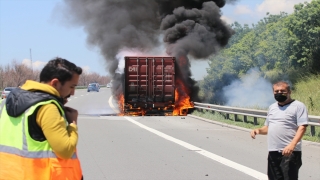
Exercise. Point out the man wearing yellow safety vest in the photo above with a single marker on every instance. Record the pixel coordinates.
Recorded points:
(38, 134)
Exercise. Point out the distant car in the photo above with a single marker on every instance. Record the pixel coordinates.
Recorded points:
(109, 85)
(6, 91)
(93, 87)
(97, 84)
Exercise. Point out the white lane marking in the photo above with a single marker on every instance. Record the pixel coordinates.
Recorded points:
(222, 160)
(227, 162)
(112, 106)
(81, 95)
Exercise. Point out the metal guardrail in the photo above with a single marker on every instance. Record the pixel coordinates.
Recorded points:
(313, 120)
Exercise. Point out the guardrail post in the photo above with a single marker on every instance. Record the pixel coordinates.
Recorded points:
(227, 116)
(235, 117)
(245, 119)
(255, 120)
(313, 130)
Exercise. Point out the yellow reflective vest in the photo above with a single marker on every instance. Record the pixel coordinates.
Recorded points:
(23, 158)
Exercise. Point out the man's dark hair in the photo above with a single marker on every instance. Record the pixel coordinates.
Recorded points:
(59, 68)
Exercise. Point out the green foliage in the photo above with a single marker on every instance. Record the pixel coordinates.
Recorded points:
(308, 92)
(304, 40)
(281, 46)
(240, 31)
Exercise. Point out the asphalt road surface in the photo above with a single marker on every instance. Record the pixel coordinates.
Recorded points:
(115, 147)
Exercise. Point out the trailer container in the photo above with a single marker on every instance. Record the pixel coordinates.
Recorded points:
(149, 87)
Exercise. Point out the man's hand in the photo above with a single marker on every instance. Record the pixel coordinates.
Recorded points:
(263, 131)
(71, 115)
(254, 133)
(287, 151)
(65, 99)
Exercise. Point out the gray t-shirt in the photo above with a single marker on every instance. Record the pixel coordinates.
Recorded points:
(283, 123)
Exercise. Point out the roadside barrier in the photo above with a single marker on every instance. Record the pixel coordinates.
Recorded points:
(313, 120)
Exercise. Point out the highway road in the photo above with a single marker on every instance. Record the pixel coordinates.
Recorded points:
(115, 147)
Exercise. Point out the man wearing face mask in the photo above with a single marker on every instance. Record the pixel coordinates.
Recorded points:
(38, 134)
(285, 125)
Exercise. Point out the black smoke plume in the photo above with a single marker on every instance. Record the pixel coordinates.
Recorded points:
(190, 27)
(196, 32)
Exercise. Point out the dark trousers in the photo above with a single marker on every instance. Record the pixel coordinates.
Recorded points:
(284, 168)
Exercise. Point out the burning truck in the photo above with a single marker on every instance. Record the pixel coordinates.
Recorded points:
(151, 87)
(178, 28)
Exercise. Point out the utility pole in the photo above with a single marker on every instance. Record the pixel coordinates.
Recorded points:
(31, 61)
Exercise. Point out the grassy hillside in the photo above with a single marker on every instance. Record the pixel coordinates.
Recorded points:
(307, 91)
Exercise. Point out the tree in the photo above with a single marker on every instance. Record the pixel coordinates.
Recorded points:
(304, 28)
(15, 74)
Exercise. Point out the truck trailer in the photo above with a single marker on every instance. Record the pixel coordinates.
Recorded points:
(149, 85)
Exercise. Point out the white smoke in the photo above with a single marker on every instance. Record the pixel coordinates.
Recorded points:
(36, 65)
(251, 90)
(157, 51)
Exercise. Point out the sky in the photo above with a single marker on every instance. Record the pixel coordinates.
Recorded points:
(35, 30)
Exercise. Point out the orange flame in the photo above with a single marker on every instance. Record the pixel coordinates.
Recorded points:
(182, 99)
(120, 105)
(139, 112)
